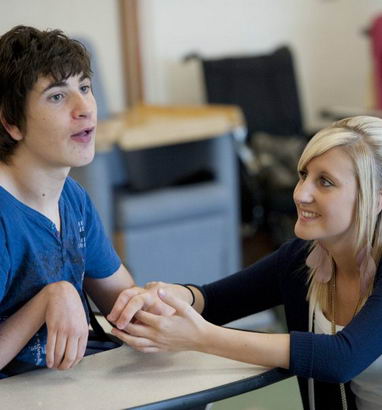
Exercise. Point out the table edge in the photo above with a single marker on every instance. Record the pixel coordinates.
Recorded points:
(221, 392)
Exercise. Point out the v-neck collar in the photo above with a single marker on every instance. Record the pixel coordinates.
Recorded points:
(38, 216)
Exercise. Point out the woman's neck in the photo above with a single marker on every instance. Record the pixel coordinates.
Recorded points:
(345, 259)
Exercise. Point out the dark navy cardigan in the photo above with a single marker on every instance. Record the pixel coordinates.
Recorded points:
(281, 279)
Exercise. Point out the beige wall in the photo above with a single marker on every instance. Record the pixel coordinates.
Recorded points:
(95, 19)
(332, 55)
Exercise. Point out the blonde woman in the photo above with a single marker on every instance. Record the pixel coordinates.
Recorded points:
(328, 280)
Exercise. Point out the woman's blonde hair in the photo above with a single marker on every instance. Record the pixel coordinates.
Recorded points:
(361, 139)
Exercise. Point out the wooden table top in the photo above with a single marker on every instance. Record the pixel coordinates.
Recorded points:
(148, 126)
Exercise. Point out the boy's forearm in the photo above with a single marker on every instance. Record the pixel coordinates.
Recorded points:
(264, 349)
(18, 329)
(104, 292)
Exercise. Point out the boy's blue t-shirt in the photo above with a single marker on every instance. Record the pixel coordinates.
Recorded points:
(33, 254)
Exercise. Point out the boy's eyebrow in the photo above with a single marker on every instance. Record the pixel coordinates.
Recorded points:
(61, 83)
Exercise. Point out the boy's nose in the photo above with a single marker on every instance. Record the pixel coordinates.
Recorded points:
(84, 107)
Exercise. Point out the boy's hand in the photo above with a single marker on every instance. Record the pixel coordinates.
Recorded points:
(131, 300)
(67, 326)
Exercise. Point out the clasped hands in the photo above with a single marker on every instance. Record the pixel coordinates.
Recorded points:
(155, 318)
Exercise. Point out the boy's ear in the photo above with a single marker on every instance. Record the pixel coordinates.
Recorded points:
(13, 130)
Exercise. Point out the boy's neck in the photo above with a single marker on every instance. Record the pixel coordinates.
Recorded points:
(38, 188)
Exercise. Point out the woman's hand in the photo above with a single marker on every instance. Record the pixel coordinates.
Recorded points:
(132, 300)
(68, 329)
(185, 329)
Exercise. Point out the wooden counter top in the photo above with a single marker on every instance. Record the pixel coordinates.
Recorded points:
(148, 126)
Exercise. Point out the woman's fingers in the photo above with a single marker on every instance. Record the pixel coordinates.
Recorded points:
(138, 343)
(179, 305)
(149, 319)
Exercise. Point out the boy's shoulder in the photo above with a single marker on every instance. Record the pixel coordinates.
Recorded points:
(73, 188)
(74, 193)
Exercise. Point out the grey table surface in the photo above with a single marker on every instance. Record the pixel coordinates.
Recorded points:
(123, 378)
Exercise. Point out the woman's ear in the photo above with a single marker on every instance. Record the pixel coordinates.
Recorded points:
(379, 208)
(13, 130)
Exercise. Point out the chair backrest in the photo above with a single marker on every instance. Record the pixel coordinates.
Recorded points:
(264, 86)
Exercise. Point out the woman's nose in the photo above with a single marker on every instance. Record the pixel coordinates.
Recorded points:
(303, 193)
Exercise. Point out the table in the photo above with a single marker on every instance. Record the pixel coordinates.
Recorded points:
(122, 378)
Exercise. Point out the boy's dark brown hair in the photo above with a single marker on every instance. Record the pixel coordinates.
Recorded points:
(27, 53)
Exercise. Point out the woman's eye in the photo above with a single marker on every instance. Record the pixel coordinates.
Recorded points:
(325, 182)
(302, 174)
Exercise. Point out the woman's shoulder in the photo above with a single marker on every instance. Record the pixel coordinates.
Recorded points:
(295, 248)
(292, 256)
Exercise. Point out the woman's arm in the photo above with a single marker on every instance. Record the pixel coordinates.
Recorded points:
(249, 291)
(187, 330)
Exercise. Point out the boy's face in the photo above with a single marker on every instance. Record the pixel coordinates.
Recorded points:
(60, 123)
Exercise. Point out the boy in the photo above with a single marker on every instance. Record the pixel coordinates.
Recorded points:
(52, 243)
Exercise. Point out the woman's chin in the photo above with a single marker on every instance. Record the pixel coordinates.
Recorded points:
(303, 233)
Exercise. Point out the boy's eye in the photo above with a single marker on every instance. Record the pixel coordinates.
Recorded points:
(85, 88)
(56, 97)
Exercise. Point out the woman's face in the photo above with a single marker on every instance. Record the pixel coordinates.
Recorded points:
(325, 197)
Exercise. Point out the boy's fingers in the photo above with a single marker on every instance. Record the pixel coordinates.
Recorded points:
(51, 343)
(129, 312)
(59, 350)
(70, 354)
(121, 302)
(82, 342)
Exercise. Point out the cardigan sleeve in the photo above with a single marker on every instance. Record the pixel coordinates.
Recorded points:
(252, 290)
(339, 358)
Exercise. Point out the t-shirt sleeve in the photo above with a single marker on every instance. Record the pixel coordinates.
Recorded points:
(101, 258)
(4, 264)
